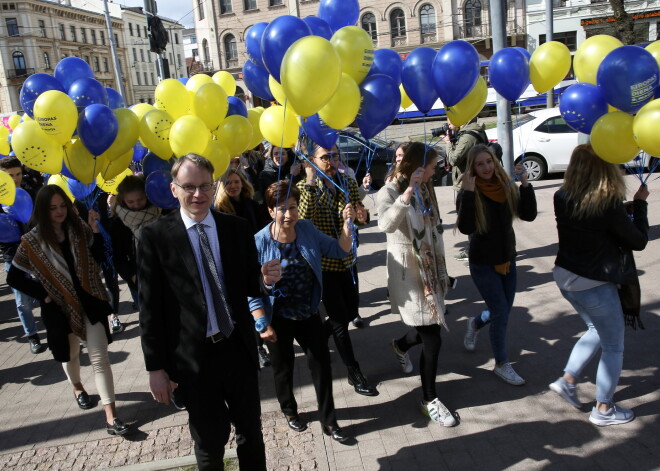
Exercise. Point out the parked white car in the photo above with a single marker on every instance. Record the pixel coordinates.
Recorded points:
(546, 141)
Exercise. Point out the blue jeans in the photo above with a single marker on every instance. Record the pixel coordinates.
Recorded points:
(24, 306)
(498, 292)
(600, 309)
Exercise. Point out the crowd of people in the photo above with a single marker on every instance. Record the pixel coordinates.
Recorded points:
(227, 282)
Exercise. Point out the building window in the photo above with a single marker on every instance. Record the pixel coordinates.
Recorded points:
(137, 74)
(195, 52)
(225, 6)
(369, 25)
(176, 38)
(231, 51)
(74, 37)
(398, 23)
(569, 38)
(145, 32)
(105, 65)
(87, 60)
(46, 61)
(134, 55)
(130, 29)
(205, 47)
(145, 78)
(42, 28)
(116, 40)
(272, 3)
(200, 9)
(472, 14)
(97, 66)
(153, 80)
(62, 35)
(250, 4)
(138, 31)
(19, 63)
(12, 26)
(102, 34)
(178, 60)
(427, 19)
(92, 33)
(141, 55)
(83, 35)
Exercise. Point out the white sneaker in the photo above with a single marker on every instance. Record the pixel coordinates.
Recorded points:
(438, 413)
(508, 374)
(403, 357)
(567, 391)
(614, 416)
(470, 340)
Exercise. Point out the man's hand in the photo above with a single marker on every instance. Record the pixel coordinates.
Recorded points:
(272, 272)
(159, 384)
(361, 213)
(367, 181)
(269, 334)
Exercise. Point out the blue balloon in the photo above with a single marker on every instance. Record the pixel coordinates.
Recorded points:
(657, 92)
(152, 163)
(628, 77)
(508, 72)
(417, 78)
(70, 69)
(581, 105)
(236, 106)
(10, 232)
(21, 210)
(65, 170)
(183, 80)
(97, 128)
(79, 190)
(339, 13)
(115, 100)
(158, 190)
(34, 86)
(455, 71)
(256, 80)
(87, 91)
(387, 62)
(319, 132)
(253, 42)
(380, 103)
(319, 27)
(281, 33)
(526, 53)
(139, 151)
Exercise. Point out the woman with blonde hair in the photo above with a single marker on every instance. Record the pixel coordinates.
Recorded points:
(595, 271)
(487, 204)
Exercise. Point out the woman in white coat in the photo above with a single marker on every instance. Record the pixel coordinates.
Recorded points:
(417, 274)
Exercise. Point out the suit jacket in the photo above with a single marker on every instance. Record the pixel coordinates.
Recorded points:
(173, 311)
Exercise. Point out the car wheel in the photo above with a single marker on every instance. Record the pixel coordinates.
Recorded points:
(536, 168)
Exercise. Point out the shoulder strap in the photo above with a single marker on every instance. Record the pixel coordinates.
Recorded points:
(477, 135)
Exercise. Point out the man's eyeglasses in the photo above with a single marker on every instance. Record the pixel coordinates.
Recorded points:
(205, 188)
(328, 157)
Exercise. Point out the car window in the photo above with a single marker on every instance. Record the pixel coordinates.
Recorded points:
(554, 125)
(517, 121)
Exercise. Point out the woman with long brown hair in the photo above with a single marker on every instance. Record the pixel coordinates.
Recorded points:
(62, 252)
(487, 204)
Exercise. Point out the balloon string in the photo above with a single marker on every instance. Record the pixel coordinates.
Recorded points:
(320, 172)
(652, 168)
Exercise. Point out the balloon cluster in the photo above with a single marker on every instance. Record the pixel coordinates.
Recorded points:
(616, 98)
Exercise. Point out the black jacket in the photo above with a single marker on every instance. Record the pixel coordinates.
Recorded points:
(254, 213)
(124, 254)
(599, 248)
(498, 244)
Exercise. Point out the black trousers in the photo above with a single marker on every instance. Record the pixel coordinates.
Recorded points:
(340, 298)
(429, 337)
(311, 337)
(227, 391)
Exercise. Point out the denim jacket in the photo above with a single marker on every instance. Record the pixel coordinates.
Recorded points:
(312, 244)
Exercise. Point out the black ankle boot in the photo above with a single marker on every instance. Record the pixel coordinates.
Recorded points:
(360, 383)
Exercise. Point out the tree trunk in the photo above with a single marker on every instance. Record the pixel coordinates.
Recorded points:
(625, 24)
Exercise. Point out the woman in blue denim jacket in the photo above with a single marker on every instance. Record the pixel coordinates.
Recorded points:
(294, 300)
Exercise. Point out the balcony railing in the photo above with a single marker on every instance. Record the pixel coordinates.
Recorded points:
(483, 30)
(399, 41)
(430, 37)
(232, 63)
(18, 73)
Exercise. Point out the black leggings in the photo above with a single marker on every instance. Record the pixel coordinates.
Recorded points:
(429, 337)
(340, 298)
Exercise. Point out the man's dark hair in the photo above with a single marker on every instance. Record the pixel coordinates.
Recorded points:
(10, 162)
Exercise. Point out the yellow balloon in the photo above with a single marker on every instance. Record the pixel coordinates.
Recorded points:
(278, 92)
(356, 50)
(172, 96)
(4, 132)
(7, 189)
(57, 115)
(654, 49)
(279, 128)
(110, 170)
(226, 81)
(127, 136)
(549, 64)
(196, 81)
(311, 72)
(62, 182)
(344, 105)
(646, 127)
(612, 138)
(5, 148)
(81, 163)
(36, 149)
(188, 135)
(470, 106)
(14, 120)
(590, 54)
(155, 133)
(141, 109)
(254, 116)
(218, 154)
(110, 185)
(26, 117)
(405, 99)
(235, 132)
(210, 104)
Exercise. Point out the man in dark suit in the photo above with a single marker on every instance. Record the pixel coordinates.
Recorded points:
(196, 269)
